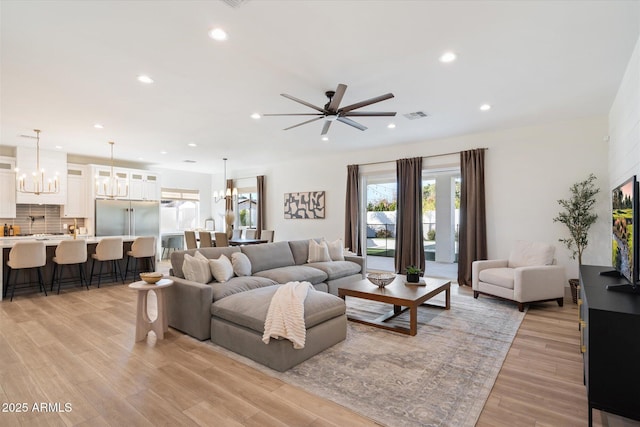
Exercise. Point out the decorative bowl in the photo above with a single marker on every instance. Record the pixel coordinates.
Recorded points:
(151, 277)
(381, 279)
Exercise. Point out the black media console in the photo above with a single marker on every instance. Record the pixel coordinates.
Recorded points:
(610, 343)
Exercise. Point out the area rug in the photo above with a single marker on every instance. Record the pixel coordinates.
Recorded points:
(440, 377)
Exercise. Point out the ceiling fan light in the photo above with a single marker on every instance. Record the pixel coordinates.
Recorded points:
(331, 118)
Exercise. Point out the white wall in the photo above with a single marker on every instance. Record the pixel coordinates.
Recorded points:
(624, 125)
(527, 171)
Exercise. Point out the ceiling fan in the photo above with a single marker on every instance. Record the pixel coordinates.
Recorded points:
(332, 111)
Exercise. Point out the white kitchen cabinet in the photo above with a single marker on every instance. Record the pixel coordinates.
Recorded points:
(54, 164)
(7, 188)
(103, 187)
(78, 199)
(143, 185)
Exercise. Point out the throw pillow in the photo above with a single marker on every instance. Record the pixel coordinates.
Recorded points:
(318, 252)
(241, 264)
(196, 269)
(221, 268)
(336, 250)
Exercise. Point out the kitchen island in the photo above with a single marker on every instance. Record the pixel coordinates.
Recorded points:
(51, 242)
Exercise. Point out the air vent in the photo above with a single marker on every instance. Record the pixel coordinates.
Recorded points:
(416, 115)
(235, 3)
(189, 161)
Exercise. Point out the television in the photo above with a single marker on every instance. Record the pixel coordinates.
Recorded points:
(624, 248)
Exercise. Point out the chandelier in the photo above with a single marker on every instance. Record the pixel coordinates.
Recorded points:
(225, 194)
(111, 186)
(39, 184)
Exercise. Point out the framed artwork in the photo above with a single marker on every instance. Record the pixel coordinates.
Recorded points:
(308, 205)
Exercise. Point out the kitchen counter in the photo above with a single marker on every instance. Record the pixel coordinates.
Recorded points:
(51, 242)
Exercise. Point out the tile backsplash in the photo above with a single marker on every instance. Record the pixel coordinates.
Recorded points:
(46, 219)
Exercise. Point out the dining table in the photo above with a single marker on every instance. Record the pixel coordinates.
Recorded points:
(241, 242)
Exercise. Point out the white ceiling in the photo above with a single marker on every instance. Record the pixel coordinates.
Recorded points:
(66, 65)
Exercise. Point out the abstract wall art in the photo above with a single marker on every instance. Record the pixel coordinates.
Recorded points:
(308, 205)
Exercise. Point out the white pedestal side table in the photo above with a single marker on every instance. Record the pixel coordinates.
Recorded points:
(143, 323)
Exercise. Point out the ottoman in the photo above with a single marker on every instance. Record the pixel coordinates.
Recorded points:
(237, 324)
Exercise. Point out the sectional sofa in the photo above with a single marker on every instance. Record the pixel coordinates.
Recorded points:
(232, 313)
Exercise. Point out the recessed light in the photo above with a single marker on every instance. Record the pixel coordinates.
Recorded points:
(485, 107)
(192, 144)
(255, 116)
(98, 126)
(140, 158)
(218, 34)
(391, 125)
(448, 57)
(143, 78)
(163, 152)
(59, 147)
(325, 138)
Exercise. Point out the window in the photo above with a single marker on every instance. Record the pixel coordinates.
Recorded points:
(179, 209)
(247, 210)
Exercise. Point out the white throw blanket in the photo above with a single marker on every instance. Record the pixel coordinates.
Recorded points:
(285, 318)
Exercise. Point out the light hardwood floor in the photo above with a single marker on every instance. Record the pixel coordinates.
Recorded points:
(78, 348)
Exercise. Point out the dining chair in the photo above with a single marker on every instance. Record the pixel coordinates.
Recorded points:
(205, 239)
(190, 238)
(237, 234)
(250, 233)
(267, 235)
(221, 240)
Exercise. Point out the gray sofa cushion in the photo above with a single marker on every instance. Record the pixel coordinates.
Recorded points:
(300, 250)
(268, 256)
(249, 309)
(336, 269)
(239, 284)
(300, 273)
(177, 257)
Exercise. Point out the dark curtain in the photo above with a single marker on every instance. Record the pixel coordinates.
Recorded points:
(261, 205)
(472, 235)
(409, 237)
(352, 211)
(228, 202)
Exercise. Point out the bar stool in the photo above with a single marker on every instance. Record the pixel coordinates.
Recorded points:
(70, 252)
(205, 239)
(26, 255)
(142, 247)
(107, 249)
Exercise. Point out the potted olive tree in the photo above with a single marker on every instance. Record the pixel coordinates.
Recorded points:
(578, 216)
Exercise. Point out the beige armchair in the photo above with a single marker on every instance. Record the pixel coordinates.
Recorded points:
(529, 275)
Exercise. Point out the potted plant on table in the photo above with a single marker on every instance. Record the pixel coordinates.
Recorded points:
(578, 216)
(413, 274)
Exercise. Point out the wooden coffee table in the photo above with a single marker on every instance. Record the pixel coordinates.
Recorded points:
(400, 295)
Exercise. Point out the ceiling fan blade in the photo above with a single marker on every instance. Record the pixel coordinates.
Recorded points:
(294, 114)
(325, 128)
(300, 101)
(368, 113)
(367, 102)
(304, 123)
(351, 123)
(337, 98)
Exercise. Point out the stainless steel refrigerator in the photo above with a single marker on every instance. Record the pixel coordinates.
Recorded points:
(127, 218)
